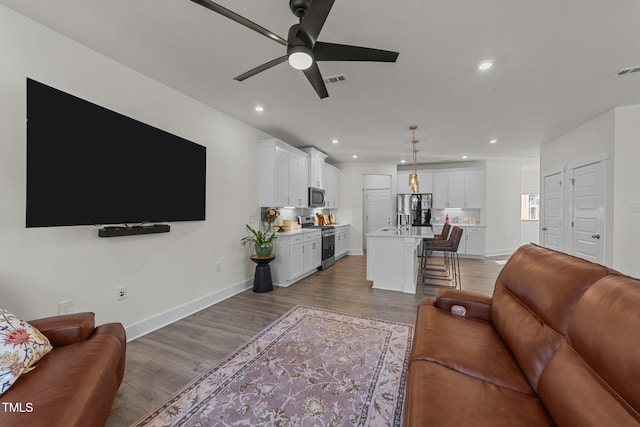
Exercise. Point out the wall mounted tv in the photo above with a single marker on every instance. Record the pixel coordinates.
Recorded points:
(87, 165)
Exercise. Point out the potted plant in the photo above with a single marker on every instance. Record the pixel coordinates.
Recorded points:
(262, 241)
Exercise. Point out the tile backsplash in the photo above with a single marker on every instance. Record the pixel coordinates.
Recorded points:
(456, 216)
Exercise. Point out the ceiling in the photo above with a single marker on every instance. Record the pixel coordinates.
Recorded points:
(554, 68)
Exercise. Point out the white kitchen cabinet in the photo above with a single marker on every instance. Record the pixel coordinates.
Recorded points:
(425, 182)
(312, 252)
(296, 260)
(281, 171)
(449, 189)
(316, 167)
(403, 182)
(284, 175)
(298, 254)
(298, 173)
(458, 189)
(472, 244)
(474, 189)
(332, 190)
(474, 238)
(342, 241)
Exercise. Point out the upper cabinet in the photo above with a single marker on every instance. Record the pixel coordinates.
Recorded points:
(332, 190)
(453, 188)
(474, 189)
(425, 182)
(317, 174)
(284, 175)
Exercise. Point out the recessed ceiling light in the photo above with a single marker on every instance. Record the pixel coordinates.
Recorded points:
(335, 141)
(493, 141)
(355, 156)
(464, 157)
(259, 108)
(403, 161)
(485, 65)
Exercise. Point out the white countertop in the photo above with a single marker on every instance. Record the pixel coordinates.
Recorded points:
(298, 231)
(340, 225)
(306, 230)
(415, 232)
(439, 225)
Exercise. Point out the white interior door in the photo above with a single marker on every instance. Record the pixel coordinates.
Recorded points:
(377, 209)
(588, 211)
(552, 200)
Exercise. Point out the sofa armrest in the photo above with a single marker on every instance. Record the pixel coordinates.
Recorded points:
(477, 305)
(66, 329)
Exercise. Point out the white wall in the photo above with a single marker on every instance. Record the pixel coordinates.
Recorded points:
(352, 180)
(530, 183)
(590, 142)
(502, 207)
(40, 267)
(626, 197)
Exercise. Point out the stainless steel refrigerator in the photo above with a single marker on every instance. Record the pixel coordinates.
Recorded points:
(417, 206)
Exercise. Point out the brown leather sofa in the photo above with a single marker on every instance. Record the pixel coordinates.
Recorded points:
(73, 385)
(557, 344)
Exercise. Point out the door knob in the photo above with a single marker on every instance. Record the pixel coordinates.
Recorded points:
(595, 236)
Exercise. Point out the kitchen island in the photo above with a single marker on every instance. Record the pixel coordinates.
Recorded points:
(392, 257)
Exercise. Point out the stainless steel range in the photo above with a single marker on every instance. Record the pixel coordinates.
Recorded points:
(328, 240)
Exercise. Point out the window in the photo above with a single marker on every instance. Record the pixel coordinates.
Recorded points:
(530, 207)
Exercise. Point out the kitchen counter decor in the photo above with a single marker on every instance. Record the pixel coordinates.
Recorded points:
(269, 215)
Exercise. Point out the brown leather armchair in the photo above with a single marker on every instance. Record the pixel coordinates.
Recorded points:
(558, 343)
(73, 385)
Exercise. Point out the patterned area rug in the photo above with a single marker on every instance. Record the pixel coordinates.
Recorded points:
(312, 367)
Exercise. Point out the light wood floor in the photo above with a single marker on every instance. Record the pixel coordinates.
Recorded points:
(159, 364)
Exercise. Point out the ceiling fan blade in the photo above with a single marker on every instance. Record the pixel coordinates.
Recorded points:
(342, 52)
(261, 68)
(240, 20)
(314, 19)
(315, 78)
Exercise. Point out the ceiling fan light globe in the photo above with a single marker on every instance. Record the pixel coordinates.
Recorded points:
(300, 60)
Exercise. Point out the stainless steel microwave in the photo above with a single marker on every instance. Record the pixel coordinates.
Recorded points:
(316, 197)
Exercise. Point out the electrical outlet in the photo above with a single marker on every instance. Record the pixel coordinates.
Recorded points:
(65, 307)
(122, 293)
(218, 267)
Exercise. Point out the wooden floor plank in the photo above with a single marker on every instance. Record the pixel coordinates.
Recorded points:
(162, 362)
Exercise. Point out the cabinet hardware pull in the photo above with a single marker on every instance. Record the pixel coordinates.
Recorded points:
(596, 236)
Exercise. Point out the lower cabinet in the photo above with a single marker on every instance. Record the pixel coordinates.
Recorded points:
(296, 261)
(297, 255)
(342, 241)
(311, 252)
(472, 244)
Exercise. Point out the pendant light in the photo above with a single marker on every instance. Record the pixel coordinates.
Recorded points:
(413, 178)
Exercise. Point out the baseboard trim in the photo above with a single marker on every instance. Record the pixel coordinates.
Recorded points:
(360, 252)
(158, 321)
(500, 252)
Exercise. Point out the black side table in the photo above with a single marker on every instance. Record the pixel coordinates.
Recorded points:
(262, 280)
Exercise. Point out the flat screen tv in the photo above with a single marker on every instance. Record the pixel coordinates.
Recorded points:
(87, 165)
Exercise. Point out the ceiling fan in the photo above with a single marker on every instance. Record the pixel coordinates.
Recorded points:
(303, 49)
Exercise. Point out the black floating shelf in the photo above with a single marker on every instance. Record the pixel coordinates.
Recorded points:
(115, 231)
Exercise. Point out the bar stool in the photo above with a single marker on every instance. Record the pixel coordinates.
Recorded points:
(451, 270)
(443, 236)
